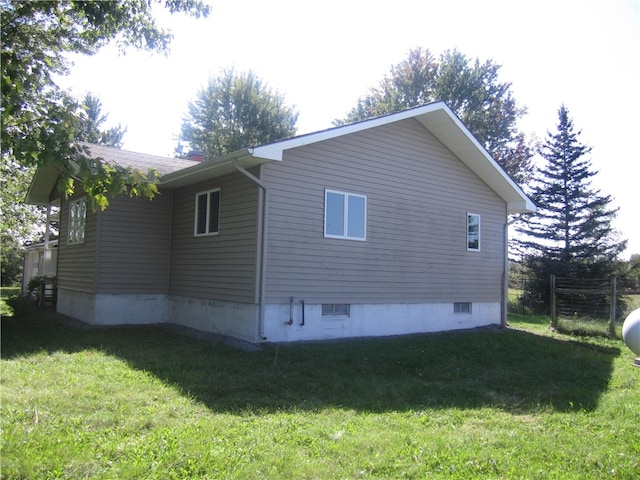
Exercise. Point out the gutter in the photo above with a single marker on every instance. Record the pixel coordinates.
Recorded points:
(262, 226)
(195, 172)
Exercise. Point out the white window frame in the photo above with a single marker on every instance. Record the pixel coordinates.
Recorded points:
(77, 223)
(469, 239)
(345, 227)
(462, 307)
(329, 309)
(208, 231)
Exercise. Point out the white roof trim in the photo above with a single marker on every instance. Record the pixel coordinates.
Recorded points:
(440, 120)
(274, 150)
(436, 117)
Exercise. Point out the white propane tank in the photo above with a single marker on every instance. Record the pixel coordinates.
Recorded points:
(631, 333)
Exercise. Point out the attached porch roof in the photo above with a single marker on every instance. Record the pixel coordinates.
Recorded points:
(43, 185)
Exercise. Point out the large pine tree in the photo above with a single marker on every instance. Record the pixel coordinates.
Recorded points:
(90, 122)
(573, 223)
(572, 232)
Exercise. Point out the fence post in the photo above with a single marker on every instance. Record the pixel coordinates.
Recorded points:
(614, 301)
(554, 319)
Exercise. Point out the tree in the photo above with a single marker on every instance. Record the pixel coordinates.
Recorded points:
(236, 111)
(631, 273)
(18, 222)
(90, 121)
(38, 119)
(572, 233)
(471, 89)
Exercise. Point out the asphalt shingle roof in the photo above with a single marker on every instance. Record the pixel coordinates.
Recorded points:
(140, 161)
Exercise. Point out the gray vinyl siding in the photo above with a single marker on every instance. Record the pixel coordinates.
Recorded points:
(418, 196)
(135, 239)
(223, 266)
(77, 262)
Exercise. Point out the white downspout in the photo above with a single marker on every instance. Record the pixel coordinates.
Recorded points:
(262, 291)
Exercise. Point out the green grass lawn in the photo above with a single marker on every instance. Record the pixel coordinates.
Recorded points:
(143, 402)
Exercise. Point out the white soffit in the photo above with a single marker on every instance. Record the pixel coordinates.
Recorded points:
(42, 186)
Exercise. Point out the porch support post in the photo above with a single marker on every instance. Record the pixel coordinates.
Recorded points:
(47, 230)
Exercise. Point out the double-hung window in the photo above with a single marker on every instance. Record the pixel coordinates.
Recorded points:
(207, 213)
(473, 232)
(345, 215)
(77, 221)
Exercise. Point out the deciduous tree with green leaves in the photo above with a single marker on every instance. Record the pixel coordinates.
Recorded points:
(472, 90)
(38, 119)
(235, 111)
(18, 222)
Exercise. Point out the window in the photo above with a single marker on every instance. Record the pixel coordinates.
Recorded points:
(462, 307)
(473, 232)
(345, 215)
(335, 309)
(77, 221)
(207, 213)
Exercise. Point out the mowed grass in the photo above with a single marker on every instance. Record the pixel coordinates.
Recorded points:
(144, 402)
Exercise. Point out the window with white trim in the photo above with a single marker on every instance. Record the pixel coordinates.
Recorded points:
(345, 215)
(462, 307)
(335, 309)
(473, 232)
(77, 221)
(207, 221)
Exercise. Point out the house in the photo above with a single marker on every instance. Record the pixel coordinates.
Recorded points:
(40, 260)
(393, 225)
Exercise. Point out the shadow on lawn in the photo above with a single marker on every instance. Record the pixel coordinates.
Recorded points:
(514, 370)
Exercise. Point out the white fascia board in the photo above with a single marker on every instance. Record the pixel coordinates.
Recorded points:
(42, 186)
(442, 122)
(449, 129)
(274, 151)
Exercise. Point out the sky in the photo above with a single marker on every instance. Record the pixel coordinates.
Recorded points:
(322, 56)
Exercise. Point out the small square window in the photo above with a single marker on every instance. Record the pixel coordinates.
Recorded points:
(462, 307)
(207, 220)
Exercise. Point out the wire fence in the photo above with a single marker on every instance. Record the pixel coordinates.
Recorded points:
(577, 305)
(584, 304)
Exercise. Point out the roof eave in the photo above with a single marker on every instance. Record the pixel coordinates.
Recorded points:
(445, 125)
(43, 186)
(521, 207)
(212, 168)
(468, 149)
